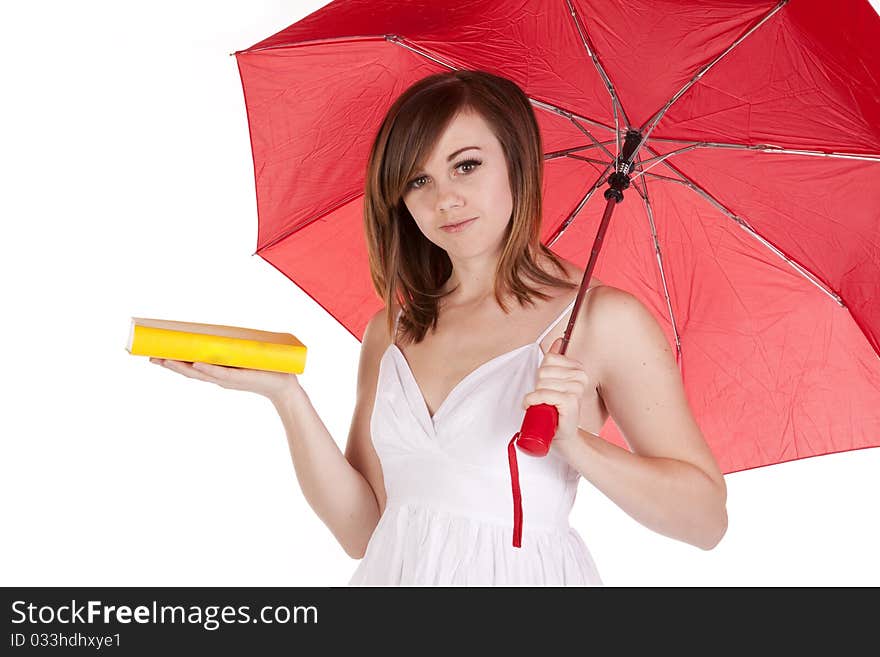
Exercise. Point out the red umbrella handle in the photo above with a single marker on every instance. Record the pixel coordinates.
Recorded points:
(538, 429)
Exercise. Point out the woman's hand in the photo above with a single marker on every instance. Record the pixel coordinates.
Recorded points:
(268, 384)
(563, 383)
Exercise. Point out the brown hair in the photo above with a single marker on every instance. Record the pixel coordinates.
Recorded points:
(403, 262)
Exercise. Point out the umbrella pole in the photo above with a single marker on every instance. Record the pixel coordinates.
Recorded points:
(540, 421)
(539, 424)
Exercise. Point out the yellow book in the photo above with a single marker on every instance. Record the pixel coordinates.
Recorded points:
(232, 346)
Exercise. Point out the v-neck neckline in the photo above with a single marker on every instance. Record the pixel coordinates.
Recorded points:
(457, 386)
(432, 419)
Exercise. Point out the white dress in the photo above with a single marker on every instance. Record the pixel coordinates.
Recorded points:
(449, 517)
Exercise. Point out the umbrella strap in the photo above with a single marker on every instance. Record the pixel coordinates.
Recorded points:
(517, 497)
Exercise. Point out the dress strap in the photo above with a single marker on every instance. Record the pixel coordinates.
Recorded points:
(396, 322)
(561, 315)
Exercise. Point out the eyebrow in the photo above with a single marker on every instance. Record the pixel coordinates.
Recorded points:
(452, 155)
(466, 148)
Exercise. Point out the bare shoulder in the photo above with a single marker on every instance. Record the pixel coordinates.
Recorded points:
(619, 325)
(374, 342)
(616, 309)
(377, 335)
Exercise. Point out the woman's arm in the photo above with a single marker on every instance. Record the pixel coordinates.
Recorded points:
(670, 482)
(347, 491)
(340, 496)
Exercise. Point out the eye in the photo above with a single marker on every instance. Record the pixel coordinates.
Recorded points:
(474, 163)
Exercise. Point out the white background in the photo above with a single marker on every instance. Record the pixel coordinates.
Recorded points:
(127, 190)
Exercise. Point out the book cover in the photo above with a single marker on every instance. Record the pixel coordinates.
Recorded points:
(232, 346)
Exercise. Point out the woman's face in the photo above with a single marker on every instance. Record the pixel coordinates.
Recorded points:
(465, 177)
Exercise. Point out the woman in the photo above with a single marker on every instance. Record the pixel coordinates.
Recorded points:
(422, 495)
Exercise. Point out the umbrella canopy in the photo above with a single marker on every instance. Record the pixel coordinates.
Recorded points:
(752, 226)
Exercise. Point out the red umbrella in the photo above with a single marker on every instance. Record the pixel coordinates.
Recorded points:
(750, 227)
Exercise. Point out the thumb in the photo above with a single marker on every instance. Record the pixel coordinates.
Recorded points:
(556, 347)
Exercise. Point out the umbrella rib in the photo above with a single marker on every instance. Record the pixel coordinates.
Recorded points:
(558, 233)
(400, 41)
(615, 101)
(803, 271)
(595, 141)
(766, 148)
(654, 161)
(797, 267)
(565, 151)
(659, 255)
(588, 159)
(550, 107)
(652, 122)
(309, 42)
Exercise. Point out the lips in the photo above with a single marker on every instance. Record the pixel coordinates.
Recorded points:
(458, 226)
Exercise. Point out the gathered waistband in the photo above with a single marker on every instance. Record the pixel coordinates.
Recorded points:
(476, 515)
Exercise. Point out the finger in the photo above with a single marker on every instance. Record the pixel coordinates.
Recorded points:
(558, 385)
(560, 360)
(213, 370)
(186, 368)
(556, 348)
(226, 374)
(558, 398)
(557, 388)
(566, 387)
(546, 374)
(560, 371)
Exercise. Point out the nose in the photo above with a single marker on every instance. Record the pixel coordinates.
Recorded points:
(448, 198)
